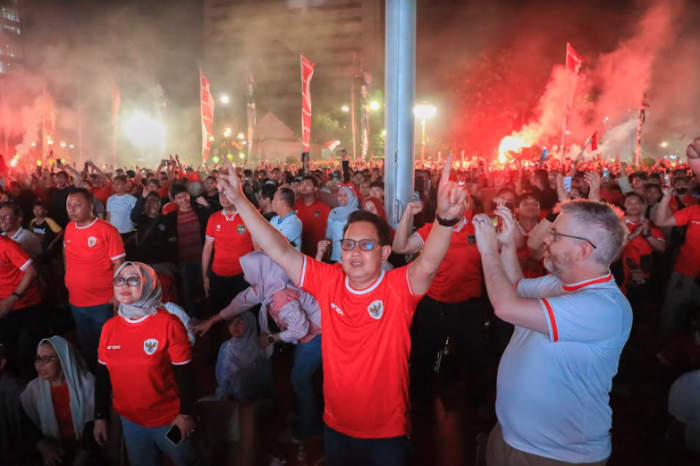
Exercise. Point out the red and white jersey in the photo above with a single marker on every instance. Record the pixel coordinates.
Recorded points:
(459, 277)
(366, 345)
(89, 252)
(139, 355)
(13, 262)
(231, 242)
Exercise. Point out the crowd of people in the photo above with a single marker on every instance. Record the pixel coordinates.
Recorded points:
(557, 274)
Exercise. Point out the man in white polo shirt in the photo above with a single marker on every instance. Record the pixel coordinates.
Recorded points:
(286, 220)
(555, 376)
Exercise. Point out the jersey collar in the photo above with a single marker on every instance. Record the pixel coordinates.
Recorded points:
(17, 234)
(86, 226)
(585, 283)
(369, 289)
(282, 219)
(231, 218)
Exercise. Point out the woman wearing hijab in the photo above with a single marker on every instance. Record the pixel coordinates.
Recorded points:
(298, 316)
(242, 368)
(338, 218)
(59, 402)
(144, 357)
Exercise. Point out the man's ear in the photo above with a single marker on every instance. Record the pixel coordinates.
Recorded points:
(386, 252)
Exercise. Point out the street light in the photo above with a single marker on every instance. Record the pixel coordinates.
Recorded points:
(345, 108)
(424, 111)
(664, 144)
(224, 99)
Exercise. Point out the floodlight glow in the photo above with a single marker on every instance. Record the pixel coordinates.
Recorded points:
(374, 105)
(424, 111)
(224, 99)
(144, 131)
(345, 108)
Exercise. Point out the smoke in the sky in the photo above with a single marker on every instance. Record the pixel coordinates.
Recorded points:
(610, 87)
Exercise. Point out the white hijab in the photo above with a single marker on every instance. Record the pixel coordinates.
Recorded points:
(36, 398)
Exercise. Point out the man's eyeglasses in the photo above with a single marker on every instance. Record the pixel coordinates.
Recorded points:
(555, 234)
(121, 281)
(7, 217)
(365, 244)
(43, 359)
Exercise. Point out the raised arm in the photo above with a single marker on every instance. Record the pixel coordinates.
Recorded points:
(404, 241)
(506, 302)
(451, 204)
(693, 153)
(664, 216)
(266, 236)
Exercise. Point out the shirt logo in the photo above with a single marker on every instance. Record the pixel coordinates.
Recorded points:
(114, 347)
(240, 229)
(92, 241)
(337, 309)
(150, 346)
(471, 239)
(317, 213)
(218, 227)
(376, 309)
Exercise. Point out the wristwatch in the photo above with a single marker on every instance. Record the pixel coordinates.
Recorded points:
(271, 339)
(447, 223)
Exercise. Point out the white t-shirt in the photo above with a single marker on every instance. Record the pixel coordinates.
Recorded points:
(119, 208)
(290, 226)
(553, 390)
(30, 243)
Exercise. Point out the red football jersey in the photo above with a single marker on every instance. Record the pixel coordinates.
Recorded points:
(314, 219)
(366, 345)
(688, 262)
(13, 262)
(89, 252)
(231, 242)
(139, 355)
(459, 277)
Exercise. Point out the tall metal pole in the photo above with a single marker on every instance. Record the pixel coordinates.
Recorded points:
(400, 65)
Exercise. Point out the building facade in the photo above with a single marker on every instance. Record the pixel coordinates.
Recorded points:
(11, 44)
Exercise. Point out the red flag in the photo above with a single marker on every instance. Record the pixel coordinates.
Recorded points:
(594, 141)
(207, 107)
(307, 72)
(573, 59)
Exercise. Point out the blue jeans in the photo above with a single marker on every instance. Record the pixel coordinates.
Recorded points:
(343, 450)
(88, 324)
(307, 359)
(144, 444)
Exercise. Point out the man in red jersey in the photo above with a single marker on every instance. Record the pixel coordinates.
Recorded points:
(453, 306)
(93, 251)
(313, 215)
(366, 315)
(21, 321)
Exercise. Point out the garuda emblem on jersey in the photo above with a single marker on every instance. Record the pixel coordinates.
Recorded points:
(92, 241)
(376, 309)
(150, 346)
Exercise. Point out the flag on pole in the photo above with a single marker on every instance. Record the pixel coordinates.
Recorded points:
(573, 65)
(573, 59)
(116, 103)
(252, 112)
(207, 110)
(594, 141)
(307, 72)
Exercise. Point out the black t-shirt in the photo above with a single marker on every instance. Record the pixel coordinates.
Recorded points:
(156, 240)
(44, 232)
(58, 205)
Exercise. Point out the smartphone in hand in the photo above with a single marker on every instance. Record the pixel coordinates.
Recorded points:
(174, 435)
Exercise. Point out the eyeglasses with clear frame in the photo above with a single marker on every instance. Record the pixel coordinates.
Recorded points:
(554, 234)
(43, 360)
(121, 281)
(366, 245)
